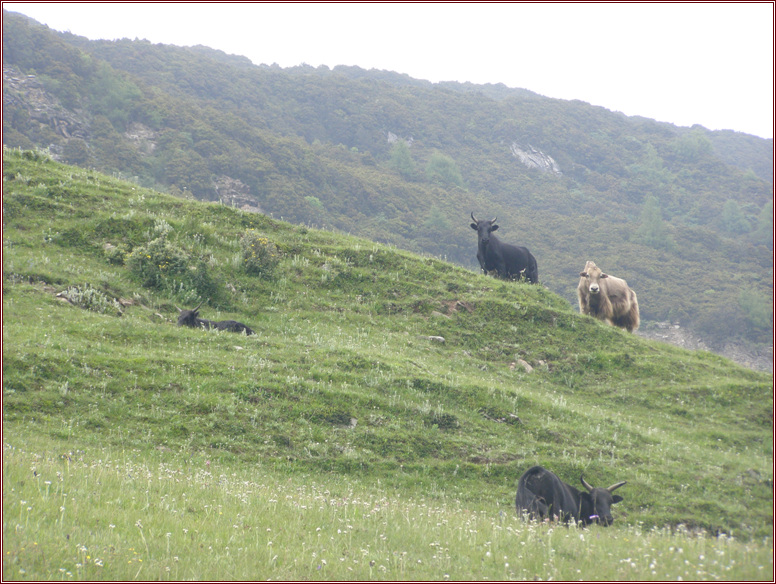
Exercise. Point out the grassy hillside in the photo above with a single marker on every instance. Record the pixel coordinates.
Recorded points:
(347, 378)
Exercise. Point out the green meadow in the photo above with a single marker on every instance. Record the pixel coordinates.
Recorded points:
(375, 427)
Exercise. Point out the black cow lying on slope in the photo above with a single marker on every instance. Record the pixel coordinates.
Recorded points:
(190, 318)
(542, 495)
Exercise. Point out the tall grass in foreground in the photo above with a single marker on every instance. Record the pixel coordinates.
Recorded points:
(116, 515)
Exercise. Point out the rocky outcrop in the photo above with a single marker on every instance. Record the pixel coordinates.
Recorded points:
(533, 158)
(143, 137)
(754, 358)
(235, 193)
(27, 92)
(391, 138)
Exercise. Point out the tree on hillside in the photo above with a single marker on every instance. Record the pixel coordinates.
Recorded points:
(401, 160)
(763, 234)
(733, 219)
(436, 220)
(649, 176)
(113, 95)
(442, 170)
(652, 229)
(691, 147)
(758, 309)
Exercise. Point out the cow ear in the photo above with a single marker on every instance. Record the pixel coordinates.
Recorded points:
(473, 226)
(604, 275)
(583, 274)
(616, 499)
(494, 227)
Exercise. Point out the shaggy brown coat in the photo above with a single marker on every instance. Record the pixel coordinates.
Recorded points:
(607, 298)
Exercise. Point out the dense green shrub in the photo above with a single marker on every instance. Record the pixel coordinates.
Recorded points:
(155, 263)
(758, 309)
(162, 265)
(260, 256)
(116, 254)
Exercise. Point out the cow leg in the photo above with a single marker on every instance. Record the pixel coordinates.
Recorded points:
(634, 318)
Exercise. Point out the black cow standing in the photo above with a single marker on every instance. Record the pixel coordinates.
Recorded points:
(542, 494)
(509, 261)
(191, 318)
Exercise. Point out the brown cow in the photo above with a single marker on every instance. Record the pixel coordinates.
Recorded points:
(607, 298)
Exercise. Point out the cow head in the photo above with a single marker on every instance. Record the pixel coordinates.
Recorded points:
(593, 275)
(189, 317)
(483, 228)
(599, 502)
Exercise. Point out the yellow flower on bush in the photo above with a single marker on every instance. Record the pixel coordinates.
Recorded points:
(260, 255)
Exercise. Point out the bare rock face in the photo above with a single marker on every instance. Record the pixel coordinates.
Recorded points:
(143, 137)
(760, 359)
(533, 158)
(235, 193)
(28, 92)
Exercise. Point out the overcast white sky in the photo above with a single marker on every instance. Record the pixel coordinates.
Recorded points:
(705, 63)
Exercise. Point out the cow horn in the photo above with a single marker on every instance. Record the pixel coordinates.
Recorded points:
(474, 218)
(179, 309)
(198, 305)
(616, 486)
(585, 483)
(494, 219)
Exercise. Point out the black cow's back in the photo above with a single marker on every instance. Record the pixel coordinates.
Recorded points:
(531, 273)
(233, 326)
(190, 318)
(512, 261)
(542, 494)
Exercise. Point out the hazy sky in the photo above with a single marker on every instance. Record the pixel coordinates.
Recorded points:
(708, 63)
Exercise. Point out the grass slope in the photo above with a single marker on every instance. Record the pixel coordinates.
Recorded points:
(346, 379)
(115, 514)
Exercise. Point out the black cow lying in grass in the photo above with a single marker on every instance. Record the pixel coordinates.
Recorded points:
(190, 318)
(542, 495)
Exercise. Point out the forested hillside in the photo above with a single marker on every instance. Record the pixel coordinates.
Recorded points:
(684, 214)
